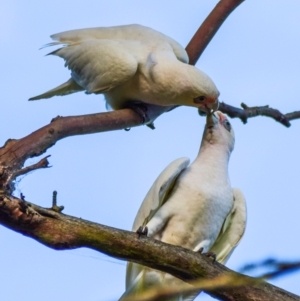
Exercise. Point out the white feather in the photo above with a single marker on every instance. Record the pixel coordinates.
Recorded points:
(196, 209)
(130, 63)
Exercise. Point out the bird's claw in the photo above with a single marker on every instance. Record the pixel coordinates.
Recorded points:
(151, 126)
(140, 108)
(148, 112)
(142, 231)
(209, 254)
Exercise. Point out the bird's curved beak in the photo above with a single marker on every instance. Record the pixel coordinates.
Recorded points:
(209, 108)
(213, 106)
(211, 120)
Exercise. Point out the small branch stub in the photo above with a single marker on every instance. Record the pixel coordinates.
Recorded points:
(54, 203)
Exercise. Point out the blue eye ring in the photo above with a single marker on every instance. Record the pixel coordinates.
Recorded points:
(227, 125)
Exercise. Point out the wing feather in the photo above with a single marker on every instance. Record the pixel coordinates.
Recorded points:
(233, 228)
(158, 193)
(155, 198)
(134, 32)
(99, 65)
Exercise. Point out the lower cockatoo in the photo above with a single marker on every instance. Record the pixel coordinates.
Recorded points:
(193, 206)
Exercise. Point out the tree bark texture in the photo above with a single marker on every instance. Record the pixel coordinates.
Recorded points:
(59, 231)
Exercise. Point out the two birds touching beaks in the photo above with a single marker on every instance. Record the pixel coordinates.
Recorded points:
(189, 205)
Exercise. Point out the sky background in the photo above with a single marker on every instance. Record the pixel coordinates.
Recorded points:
(254, 58)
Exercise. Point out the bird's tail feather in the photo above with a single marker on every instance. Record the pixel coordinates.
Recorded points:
(66, 88)
(139, 286)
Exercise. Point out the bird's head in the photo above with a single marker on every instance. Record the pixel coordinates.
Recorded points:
(204, 91)
(218, 131)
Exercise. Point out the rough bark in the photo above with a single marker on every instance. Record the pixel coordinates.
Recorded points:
(61, 232)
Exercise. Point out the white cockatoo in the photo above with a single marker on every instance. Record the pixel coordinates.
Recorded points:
(193, 206)
(131, 64)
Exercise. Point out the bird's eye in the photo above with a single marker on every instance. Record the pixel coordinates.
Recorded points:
(227, 125)
(199, 99)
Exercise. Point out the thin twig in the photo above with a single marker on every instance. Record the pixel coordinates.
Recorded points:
(43, 163)
(293, 115)
(278, 268)
(248, 112)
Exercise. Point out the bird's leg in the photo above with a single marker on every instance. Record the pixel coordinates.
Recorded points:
(211, 255)
(148, 112)
(142, 231)
(208, 254)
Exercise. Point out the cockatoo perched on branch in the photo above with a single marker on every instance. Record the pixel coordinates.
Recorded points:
(131, 64)
(193, 206)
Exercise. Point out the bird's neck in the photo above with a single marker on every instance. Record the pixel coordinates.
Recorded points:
(214, 158)
(172, 78)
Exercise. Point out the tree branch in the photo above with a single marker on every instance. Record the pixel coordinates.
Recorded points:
(209, 27)
(248, 112)
(61, 232)
(15, 152)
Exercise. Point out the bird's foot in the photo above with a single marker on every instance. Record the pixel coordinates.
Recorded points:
(142, 231)
(140, 108)
(55, 118)
(147, 112)
(208, 254)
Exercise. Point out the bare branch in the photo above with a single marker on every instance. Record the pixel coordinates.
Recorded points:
(209, 27)
(293, 115)
(43, 163)
(228, 280)
(248, 112)
(15, 152)
(61, 232)
(277, 268)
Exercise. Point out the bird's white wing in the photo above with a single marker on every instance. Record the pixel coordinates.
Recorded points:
(158, 193)
(134, 32)
(155, 198)
(98, 65)
(233, 228)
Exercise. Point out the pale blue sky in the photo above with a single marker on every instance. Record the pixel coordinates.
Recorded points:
(254, 58)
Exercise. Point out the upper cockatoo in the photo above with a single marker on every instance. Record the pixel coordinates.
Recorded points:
(193, 206)
(131, 63)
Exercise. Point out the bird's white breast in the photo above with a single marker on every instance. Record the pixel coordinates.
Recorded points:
(199, 205)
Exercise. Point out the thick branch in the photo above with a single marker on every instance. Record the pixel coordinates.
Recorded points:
(15, 152)
(59, 231)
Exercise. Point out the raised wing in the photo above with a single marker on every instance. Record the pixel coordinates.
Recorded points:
(233, 228)
(155, 198)
(158, 193)
(135, 32)
(98, 65)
